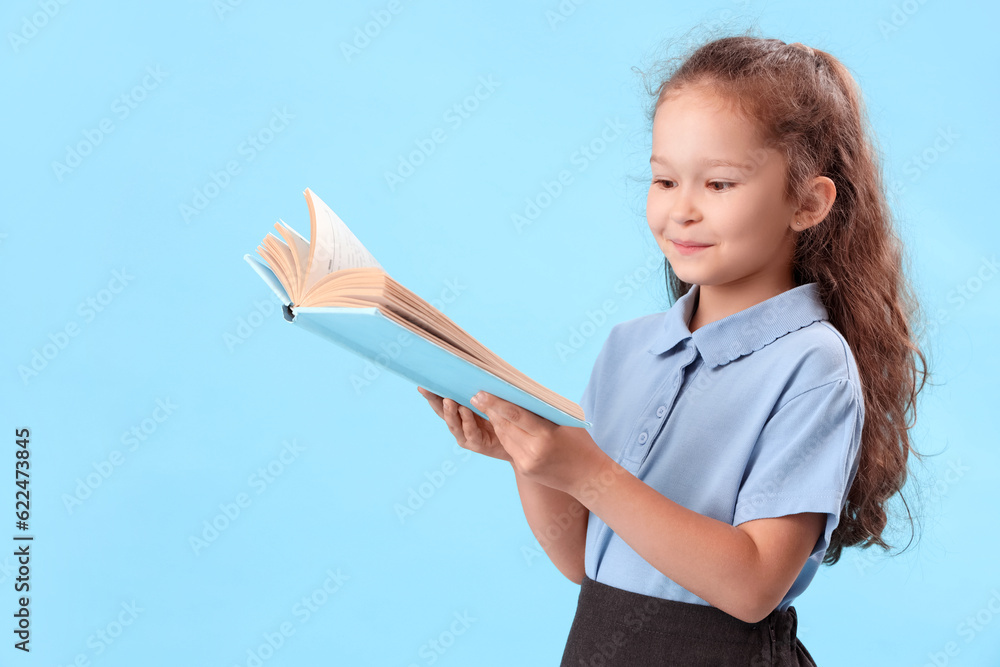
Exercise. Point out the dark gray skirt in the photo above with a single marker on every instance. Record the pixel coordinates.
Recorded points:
(617, 627)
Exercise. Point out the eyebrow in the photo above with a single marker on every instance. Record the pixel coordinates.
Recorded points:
(715, 162)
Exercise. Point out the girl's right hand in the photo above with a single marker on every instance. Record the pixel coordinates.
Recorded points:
(470, 430)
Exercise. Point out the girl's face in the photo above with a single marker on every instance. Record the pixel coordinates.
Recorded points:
(715, 185)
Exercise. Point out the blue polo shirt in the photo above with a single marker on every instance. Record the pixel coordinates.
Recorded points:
(756, 415)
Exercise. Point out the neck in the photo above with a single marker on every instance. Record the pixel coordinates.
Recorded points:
(716, 302)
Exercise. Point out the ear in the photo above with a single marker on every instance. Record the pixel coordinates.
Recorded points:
(819, 200)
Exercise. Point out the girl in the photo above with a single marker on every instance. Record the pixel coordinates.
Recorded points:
(756, 428)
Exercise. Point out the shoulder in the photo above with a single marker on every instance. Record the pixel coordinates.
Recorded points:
(813, 357)
(638, 328)
(821, 350)
(625, 349)
(631, 336)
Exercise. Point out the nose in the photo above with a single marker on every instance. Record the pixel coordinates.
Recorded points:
(683, 207)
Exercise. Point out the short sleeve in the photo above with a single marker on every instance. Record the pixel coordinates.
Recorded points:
(588, 401)
(805, 458)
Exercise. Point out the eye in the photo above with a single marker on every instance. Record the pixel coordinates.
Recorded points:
(713, 183)
(661, 182)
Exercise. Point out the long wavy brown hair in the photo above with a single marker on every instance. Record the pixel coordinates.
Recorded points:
(805, 103)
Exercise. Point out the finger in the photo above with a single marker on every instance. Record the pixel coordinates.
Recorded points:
(445, 410)
(473, 435)
(435, 402)
(451, 416)
(429, 395)
(508, 415)
(477, 428)
(482, 422)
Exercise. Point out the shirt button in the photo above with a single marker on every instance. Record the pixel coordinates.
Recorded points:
(642, 437)
(660, 411)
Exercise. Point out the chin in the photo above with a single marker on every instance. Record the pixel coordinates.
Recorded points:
(683, 274)
(690, 278)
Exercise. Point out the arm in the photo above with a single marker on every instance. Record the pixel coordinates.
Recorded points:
(559, 523)
(744, 570)
(557, 519)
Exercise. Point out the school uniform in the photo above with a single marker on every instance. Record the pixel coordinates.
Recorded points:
(756, 415)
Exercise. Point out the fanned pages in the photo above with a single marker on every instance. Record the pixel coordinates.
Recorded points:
(333, 248)
(333, 271)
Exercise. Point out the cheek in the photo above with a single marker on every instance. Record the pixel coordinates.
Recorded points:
(654, 212)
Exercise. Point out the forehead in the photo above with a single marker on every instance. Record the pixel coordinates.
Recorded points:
(695, 122)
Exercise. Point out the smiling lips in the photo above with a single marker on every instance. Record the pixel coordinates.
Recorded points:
(689, 248)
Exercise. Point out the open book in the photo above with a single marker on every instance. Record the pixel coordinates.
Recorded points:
(331, 285)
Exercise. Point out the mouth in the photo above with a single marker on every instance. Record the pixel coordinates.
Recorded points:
(689, 248)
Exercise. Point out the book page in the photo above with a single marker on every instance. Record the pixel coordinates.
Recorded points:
(332, 246)
(300, 253)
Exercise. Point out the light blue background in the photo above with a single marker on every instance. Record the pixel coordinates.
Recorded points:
(927, 69)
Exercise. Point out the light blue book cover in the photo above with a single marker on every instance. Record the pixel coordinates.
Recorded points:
(369, 333)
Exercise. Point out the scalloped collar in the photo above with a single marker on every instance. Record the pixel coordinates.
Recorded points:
(744, 332)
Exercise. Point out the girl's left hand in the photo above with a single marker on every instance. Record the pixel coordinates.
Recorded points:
(561, 457)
